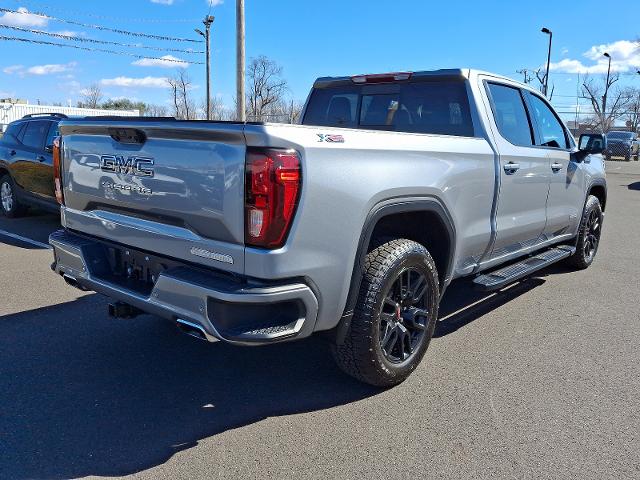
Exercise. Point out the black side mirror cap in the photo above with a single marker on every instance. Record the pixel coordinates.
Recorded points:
(592, 143)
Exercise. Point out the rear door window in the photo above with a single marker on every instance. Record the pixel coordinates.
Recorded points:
(550, 130)
(35, 133)
(435, 107)
(53, 132)
(511, 115)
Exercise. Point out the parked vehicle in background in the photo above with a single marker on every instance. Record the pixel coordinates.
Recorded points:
(622, 144)
(352, 224)
(26, 164)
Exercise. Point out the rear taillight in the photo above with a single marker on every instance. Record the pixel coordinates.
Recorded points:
(57, 169)
(273, 180)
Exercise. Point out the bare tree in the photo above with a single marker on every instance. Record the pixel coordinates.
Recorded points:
(155, 110)
(540, 75)
(183, 105)
(91, 96)
(633, 109)
(218, 110)
(266, 87)
(616, 101)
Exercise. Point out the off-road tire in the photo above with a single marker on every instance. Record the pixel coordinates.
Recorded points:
(15, 208)
(361, 355)
(580, 259)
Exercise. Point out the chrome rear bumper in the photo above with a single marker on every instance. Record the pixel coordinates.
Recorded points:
(239, 312)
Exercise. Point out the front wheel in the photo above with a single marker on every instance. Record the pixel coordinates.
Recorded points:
(395, 315)
(9, 203)
(588, 235)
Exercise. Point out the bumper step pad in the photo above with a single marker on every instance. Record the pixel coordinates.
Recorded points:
(504, 276)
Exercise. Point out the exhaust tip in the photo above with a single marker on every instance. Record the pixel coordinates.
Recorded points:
(193, 330)
(73, 282)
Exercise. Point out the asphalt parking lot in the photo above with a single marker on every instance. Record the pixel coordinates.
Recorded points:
(539, 381)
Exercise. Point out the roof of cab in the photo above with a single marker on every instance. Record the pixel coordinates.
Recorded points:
(466, 73)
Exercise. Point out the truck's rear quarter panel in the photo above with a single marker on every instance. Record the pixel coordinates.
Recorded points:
(344, 182)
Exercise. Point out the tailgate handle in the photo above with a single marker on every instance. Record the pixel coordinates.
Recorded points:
(128, 135)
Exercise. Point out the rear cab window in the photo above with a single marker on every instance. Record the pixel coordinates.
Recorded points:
(433, 107)
(12, 134)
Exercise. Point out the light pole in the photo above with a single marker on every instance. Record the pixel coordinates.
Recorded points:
(240, 62)
(604, 97)
(208, 20)
(546, 77)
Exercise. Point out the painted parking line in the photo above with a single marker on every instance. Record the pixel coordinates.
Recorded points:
(20, 238)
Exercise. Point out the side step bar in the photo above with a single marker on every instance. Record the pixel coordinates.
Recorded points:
(488, 282)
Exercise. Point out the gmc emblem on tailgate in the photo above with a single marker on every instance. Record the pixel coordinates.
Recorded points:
(136, 166)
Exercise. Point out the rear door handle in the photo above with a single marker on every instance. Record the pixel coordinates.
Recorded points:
(556, 167)
(12, 152)
(511, 168)
(41, 158)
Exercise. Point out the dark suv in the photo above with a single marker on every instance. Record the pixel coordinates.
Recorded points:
(26, 164)
(622, 144)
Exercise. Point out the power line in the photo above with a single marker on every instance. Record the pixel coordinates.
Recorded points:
(101, 27)
(93, 40)
(89, 49)
(105, 17)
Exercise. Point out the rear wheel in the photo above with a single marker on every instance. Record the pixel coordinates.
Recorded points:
(395, 315)
(9, 203)
(588, 235)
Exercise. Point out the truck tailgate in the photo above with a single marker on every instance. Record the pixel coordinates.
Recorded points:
(175, 188)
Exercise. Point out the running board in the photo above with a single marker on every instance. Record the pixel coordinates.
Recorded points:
(488, 282)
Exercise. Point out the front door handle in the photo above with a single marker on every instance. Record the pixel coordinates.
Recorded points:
(556, 167)
(511, 168)
(12, 152)
(41, 158)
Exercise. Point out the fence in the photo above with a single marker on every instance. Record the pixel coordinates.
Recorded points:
(14, 111)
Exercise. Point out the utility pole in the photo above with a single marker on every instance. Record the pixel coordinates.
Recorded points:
(208, 20)
(546, 77)
(240, 61)
(605, 125)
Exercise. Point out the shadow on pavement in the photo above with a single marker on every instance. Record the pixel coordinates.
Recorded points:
(82, 394)
(462, 305)
(31, 231)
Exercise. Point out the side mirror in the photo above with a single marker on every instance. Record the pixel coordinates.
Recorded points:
(591, 143)
(48, 149)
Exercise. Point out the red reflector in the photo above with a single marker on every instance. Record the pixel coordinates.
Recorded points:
(272, 188)
(382, 77)
(57, 169)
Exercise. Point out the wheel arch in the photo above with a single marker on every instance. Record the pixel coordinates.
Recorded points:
(424, 220)
(599, 189)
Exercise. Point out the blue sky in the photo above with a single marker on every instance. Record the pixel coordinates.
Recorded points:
(311, 39)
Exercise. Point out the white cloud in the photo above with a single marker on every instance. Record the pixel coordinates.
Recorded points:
(69, 33)
(625, 56)
(23, 19)
(163, 2)
(51, 68)
(214, 3)
(40, 69)
(145, 82)
(167, 61)
(10, 70)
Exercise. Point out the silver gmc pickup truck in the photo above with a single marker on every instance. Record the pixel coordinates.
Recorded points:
(352, 224)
